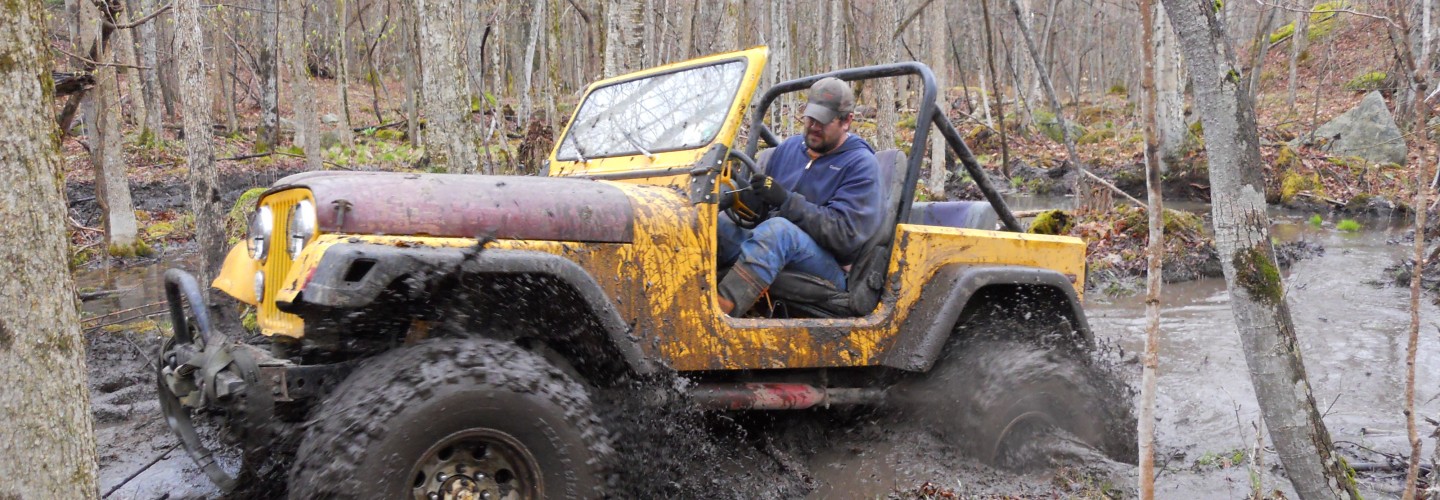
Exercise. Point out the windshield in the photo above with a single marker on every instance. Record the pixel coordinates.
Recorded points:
(666, 112)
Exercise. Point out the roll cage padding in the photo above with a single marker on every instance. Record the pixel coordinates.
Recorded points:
(354, 275)
(933, 319)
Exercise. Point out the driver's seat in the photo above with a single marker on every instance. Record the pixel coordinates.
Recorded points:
(797, 294)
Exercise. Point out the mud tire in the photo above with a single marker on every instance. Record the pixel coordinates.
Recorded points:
(994, 393)
(374, 428)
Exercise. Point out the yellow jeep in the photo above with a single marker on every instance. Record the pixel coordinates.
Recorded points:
(445, 334)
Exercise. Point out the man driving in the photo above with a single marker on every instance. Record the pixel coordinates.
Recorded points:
(822, 193)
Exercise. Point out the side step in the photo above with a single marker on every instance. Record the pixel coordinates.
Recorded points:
(777, 396)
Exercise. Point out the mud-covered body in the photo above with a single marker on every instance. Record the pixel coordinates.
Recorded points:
(645, 283)
(606, 267)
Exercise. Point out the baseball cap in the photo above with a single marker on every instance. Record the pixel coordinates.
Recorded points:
(829, 98)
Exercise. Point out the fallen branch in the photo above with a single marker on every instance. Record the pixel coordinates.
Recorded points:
(1112, 187)
(1331, 201)
(97, 328)
(137, 473)
(143, 19)
(87, 60)
(123, 311)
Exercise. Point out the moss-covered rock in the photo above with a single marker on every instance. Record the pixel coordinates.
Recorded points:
(1294, 183)
(1053, 222)
(1050, 126)
(1366, 82)
(1097, 136)
(237, 222)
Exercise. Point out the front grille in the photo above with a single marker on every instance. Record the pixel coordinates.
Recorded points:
(277, 265)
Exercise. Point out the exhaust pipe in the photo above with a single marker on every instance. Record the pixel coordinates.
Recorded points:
(778, 396)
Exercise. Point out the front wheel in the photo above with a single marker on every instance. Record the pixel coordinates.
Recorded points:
(454, 418)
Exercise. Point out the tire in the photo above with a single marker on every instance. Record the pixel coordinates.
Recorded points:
(994, 397)
(488, 414)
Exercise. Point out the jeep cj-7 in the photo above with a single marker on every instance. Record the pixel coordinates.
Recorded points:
(436, 336)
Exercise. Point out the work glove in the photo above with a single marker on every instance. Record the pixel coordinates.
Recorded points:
(767, 189)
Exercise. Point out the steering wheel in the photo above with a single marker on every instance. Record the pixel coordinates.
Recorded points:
(737, 200)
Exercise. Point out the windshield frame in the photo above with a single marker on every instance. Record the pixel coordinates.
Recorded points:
(580, 156)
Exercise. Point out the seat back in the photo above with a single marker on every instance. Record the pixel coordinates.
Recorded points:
(961, 214)
(867, 274)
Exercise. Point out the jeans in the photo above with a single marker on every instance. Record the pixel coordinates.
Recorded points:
(773, 245)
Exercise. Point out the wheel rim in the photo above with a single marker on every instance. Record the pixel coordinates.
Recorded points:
(479, 464)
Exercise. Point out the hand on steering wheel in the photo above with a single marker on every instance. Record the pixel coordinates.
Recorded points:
(738, 199)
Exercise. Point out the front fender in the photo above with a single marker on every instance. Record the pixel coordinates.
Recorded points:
(355, 275)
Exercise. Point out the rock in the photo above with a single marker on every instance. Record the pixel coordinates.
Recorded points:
(329, 119)
(328, 139)
(1041, 181)
(1368, 131)
(1050, 126)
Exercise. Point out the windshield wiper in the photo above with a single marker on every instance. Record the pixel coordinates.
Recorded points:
(575, 143)
(624, 132)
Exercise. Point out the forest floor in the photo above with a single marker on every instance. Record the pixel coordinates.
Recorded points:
(131, 434)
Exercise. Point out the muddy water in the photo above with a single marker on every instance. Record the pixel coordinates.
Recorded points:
(1352, 328)
(1353, 331)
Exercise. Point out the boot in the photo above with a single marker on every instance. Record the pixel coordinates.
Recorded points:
(739, 291)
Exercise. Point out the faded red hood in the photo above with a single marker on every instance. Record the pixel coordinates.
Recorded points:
(503, 207)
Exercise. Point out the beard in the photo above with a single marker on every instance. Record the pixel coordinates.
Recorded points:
(817, 143)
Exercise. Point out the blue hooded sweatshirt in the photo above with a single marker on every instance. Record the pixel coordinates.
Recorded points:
(835, 198)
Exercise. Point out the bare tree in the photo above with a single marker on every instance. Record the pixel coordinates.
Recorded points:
(939, 48)
(624, 36)
(268, 135)
(1242, 238)
(48, 438)
(726, 37)
(124, 52)
(887, 18)
(102, 125)
(149, 74)
(342, 79)
(199, 153)
(449, 132)
(1169, 87)
(537, 14)
(1153, 255)
(1297, 46)
(302, 96)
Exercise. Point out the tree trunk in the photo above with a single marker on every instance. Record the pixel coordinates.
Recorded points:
(474, 46)
(624, 36)
(302, 96)
(537, 15)
(449, 132)
(1260, 47)
(342, 80)
(268, 135)
(887, 18)
(153, 127)
(1242, 238)
(995, 89)
(414, 65)
(1418, 68)
(48, 438)
(778, 37)
(939, 47)
(1153, 257)
(102, 125)
(1297, 45)
(727, 37)
(195, 106)
(835, 46)
(1169, 89)
(134, 102)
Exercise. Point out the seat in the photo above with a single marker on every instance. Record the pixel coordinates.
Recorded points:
(799, 294)
(961, 214)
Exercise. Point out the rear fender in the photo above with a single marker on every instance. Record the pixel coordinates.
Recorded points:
(954, 289)
(353, 276)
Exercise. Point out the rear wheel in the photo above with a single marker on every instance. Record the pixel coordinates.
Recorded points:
(1015, 404)
(454, 418)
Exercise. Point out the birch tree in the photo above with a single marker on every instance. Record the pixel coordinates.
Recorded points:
(199, 153)
(1242, 238)
(624, 36)
(449, 132)
(302, 96)
(48, 438)
(342, 75)
(1169, 87)
(1153, 255)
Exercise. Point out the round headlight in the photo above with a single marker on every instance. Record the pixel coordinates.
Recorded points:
(302, 226)
(259, 286)
(258, 239)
